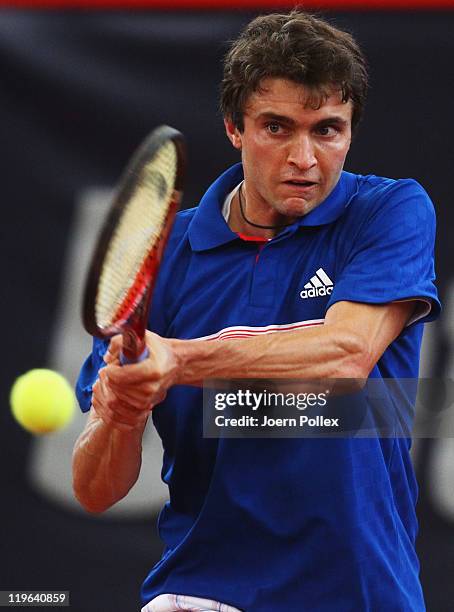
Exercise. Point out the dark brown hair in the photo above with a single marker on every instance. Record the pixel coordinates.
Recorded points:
(299, 47)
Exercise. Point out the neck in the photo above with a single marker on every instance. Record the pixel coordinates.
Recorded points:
(249, 225)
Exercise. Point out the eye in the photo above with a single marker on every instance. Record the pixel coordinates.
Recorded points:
(327, 130)
(273, 127)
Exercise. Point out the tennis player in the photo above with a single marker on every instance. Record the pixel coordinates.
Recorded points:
(289, 267)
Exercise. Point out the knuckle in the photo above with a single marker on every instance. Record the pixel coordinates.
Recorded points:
(111, 405)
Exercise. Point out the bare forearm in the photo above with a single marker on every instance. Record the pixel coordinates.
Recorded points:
(320, 352)
(347, 346)
(106, 464)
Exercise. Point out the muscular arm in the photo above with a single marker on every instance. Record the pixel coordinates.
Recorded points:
(107, 454)
(348, 345)
(106, 464)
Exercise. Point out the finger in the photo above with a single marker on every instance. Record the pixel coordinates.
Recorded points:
(115, 411)
(134, 397)
(103, 392)
(134, 373)
(124, 408)
(103, 379)
(99, 388)
(138, 395)
(110, 358)
(115, 345)
(140, 398)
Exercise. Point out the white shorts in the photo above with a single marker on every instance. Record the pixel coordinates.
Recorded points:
(174, 603)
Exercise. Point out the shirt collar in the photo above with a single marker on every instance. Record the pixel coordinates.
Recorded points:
(335, 204)
(208, 228)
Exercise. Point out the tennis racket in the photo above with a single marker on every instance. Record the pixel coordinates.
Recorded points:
(128, 253)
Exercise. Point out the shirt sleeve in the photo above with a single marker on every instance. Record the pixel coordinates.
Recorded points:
(392, 256)
(89, 373)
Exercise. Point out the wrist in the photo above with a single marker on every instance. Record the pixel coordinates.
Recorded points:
(197, 360)
(179, 352)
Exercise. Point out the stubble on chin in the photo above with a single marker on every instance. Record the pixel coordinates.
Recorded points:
(301, 209)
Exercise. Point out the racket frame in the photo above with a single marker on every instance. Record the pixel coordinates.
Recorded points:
(132, 316)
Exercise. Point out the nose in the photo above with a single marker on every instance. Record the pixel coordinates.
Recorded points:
(302, 152)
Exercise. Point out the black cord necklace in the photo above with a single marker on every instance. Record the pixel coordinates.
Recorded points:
(240, 199)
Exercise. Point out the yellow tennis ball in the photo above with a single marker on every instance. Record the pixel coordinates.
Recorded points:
(42, 401)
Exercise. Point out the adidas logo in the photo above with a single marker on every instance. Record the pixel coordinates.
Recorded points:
(320, 284)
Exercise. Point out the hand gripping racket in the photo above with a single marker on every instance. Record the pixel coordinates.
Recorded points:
(128, 253)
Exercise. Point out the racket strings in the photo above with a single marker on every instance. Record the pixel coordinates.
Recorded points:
(123, 277)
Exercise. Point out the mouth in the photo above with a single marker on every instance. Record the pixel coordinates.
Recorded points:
(300, 183)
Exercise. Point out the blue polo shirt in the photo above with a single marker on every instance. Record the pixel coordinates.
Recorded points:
(268, 525)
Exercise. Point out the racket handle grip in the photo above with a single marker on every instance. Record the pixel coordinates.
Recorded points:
(134, 348)
(126, 360)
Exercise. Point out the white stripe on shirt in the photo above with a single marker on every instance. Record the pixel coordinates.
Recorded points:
(173, 603)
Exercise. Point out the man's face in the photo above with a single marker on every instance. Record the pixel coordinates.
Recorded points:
(292, 154)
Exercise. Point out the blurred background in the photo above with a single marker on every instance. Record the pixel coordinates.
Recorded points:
(79, 89)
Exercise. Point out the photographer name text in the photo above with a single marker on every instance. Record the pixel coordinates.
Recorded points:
(266, 421)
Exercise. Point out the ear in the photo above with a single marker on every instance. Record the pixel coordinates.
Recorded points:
(233, 134)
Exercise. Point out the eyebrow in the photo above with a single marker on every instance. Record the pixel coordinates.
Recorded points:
(333, 119)
(274, 117)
